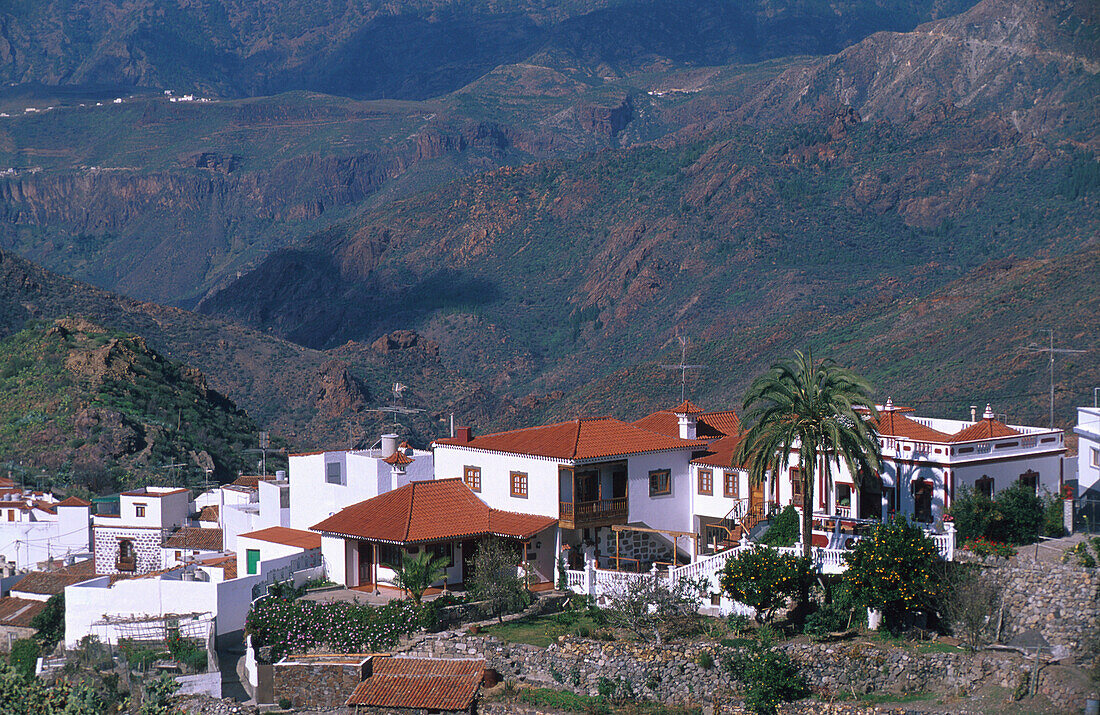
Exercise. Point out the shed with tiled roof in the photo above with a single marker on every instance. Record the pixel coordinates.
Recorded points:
(431, 684)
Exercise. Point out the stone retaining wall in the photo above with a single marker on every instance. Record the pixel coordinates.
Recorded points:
(673, 673)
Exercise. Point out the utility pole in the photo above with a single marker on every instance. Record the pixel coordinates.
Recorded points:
(1052, 351)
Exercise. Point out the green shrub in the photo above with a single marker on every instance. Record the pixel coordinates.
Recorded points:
(783, 530)
(1053, 517)
(973, 513)
(830, 618)
(897, 568)
(284, 702)
(705, 660)
(50, 623)
(769, 677)
(764, 579)
(1015, 515)
(24, 656)
(1023, 515)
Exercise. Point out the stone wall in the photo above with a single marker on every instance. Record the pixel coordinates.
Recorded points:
(673, 673)
(316, 685)
(146, 543)
(640, 545)
(1061, 603)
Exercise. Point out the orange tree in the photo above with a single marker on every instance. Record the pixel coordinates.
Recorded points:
(765, 579)
(896, 568)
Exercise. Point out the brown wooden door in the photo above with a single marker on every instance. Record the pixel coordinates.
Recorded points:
(756, 496)
(366, 560)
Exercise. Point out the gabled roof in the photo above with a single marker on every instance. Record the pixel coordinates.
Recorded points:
(708, 425)
(73, 501)
(987, 428)
(578, 439)
(429, 511)
(18, 612)
(209, 513)
(195, 537)
(251, 481)
(421, 683)
(891, 423)
(54, 582)
(720, 452)
(227, 563)
(286, 536)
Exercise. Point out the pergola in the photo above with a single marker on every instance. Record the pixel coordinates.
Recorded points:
(676, 536)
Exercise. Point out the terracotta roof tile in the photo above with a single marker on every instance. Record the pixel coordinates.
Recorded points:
(152, 495)
(209, 513)
(54, 582)
(578, 439)
(892, 423)
(720, 452)
(73, 501)
(687, 407)
(709, 425)
(984, 429)
(398, 457)
(228, 565)
(18, 612)
(420, 683)
(286, 536)
(251, 481)
(429, 511)
(194, 537)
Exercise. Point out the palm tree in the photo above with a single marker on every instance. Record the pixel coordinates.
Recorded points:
(417, 573)
(818, 409)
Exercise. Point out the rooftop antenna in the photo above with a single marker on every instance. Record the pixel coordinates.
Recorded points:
(265, 447)
(683, 367)
(1051, 350)
(396, 407)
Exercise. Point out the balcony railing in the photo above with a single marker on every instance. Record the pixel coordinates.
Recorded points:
(588, 512)
(126, 563)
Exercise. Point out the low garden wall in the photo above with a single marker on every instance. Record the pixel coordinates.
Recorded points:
(676, 673)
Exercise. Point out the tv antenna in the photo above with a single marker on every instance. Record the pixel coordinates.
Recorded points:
(396, 407)
(683, 367)
(1052, 351)
(265, 447)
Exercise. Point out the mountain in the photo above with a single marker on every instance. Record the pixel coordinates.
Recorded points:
(100, 409)
(410, 49)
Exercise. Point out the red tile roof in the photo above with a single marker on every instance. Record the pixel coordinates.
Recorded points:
(228, 565)
(720, 452)
(251, 481)
(54, 582)
(892, 423)
(578, 439)
(398, 457)
(687, 407)
(287, 537)
(209, 513)
(429, 511)
(194, 537)
(73, 501)
(18, 612)
(984, 429)
(708, 425)
(153, 495)
(420, 683)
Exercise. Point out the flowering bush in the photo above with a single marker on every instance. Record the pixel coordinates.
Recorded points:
(896, 568)
(764, 579)
(984, 547)
(300, 626)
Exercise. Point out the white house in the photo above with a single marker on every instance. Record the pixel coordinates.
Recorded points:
(131, 541)
(1088, 452)
(323, 483)
(593, 475)
(272, 543)
(35, 527)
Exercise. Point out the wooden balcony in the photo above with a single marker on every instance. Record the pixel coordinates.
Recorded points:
(590, 514)
(126, 563)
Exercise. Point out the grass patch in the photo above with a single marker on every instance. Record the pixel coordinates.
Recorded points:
(543, 630)
(937, 647)
(564, 700)
(892, 698)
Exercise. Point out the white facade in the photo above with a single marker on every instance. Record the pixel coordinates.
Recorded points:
(30, 535)
(323, 483)
(1088, 451)
(130, 542)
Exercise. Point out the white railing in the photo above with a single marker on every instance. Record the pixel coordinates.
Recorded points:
(945, 544)
(704, 567)
(574, 578)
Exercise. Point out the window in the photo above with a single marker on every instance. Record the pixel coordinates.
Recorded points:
(11, 514)
(126, 560)
(139, 510)
(1031, 479)
(796, 487)
(284, 497)
(984, 486)
(519, 484)
(252, 561)
(731, 485)
(443, 550)
(706, 481)
(472, 477)
(1095, 457)
(389, 555)
(334, 473)
(660, 482)
(179, 555)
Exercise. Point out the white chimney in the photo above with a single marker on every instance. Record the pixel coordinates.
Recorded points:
(389, 445)
(973, 413)
(687, 426)
(988, 414)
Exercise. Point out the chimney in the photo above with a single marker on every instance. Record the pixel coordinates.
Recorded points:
(389, 445)
(889, 406)
(988, 414)
(464, 434)
(687, 426)
(973, 413)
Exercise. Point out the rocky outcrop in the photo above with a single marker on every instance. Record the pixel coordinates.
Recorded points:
(404, 340)
(337, 391)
